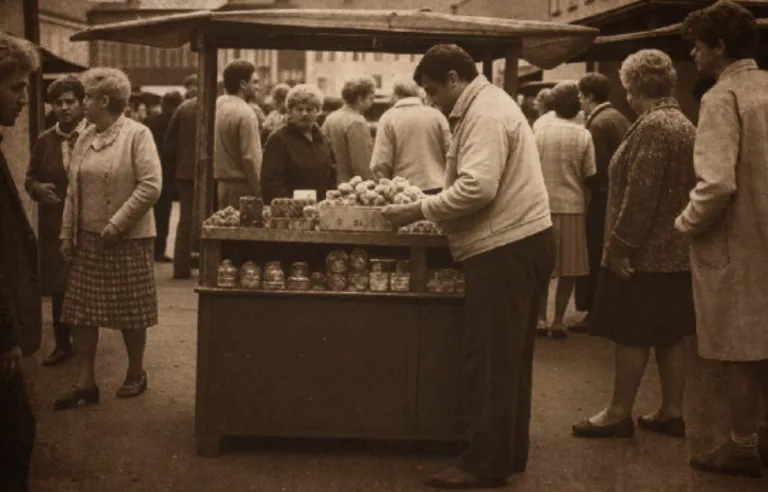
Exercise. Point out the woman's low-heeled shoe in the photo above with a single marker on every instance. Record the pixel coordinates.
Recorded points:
(674, 427)
(623, 428)
(77, 396)
(133, 387)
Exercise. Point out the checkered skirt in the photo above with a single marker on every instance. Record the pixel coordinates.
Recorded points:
(111, 287)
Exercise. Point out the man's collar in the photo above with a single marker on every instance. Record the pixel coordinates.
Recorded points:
(468, 95)
(408, 101)
(737, 67)
(599, 108)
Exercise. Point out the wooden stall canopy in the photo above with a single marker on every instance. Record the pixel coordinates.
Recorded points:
(668, 39)
(544, 44)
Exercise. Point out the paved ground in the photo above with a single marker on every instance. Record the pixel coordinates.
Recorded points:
(147, 444)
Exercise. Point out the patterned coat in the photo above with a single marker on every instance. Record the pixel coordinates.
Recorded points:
(727, 217)
(649, 180)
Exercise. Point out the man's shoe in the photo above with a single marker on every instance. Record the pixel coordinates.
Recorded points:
(730, 459)
(455, 479)
(762, 444)
(77, 396)
(623, 428)
(673, 427)
(57, 357)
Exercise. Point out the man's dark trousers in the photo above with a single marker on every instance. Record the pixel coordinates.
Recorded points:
(17, 435)
(504, 288)
(595, 223)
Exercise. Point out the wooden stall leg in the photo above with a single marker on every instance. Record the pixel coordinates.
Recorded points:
(418, 269)
(208, 446)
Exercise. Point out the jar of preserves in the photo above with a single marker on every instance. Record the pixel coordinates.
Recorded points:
(300, 269)
(227, 274)
(379, 282)
(400, 282)
(250, 275)
(273, 272)
(337, 261)
(317, 281)
(358, 260)
(337, 281)
(358, 281)
(298, 283)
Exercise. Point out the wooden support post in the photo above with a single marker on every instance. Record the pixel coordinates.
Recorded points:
(206, 116)
(35, 90)
(511, 80)
(488, 68)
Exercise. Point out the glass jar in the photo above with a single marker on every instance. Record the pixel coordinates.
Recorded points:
(250, 275)
(300, 269)
(227, 274)
(317, 281)
(337, 281)
(298, 283)
(358, 281)
(337, 261)
(379, 282)
(358, 260)
(400, 282)
(273, 272)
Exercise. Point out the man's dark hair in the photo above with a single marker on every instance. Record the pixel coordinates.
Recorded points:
(565, 100)
(171, 101)
(596, 85)
(441, 59)
(236, 72)
(354, 89)
(190, 80)
(62, 85)
(725, 20)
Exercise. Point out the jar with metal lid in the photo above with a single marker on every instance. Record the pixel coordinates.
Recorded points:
(227, 274)
(250, 275)
(300, 269)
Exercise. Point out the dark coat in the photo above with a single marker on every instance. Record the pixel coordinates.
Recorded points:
(158, 124)
(21, 315)
(607, 126)
(46, 166)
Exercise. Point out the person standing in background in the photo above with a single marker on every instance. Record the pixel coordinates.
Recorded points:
(607, 127)
(543, 105)
(278, 116)
(411, 141)
(190, 86)
(567, 162)
(20, 299)
(237, 150)
(158, 124)
(179, 146)
(348, 132)
(46, 183)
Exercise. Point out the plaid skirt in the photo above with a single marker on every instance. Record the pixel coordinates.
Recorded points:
(111, 287)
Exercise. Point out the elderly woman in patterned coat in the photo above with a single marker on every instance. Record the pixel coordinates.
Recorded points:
(644, 296)
(108, 234)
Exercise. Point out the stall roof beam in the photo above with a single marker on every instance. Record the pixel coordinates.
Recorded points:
(544, 44)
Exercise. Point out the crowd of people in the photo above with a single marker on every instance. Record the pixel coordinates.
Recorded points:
(660, 226)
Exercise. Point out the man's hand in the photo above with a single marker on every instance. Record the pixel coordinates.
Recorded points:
(110, 235)
(621, 267)
(401, 215)
(67, 249)
(46, 192)
(10, 363)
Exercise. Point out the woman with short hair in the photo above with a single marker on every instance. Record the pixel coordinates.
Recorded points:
(644, 297)
(279, 115)
(108, 235)
(297, 156)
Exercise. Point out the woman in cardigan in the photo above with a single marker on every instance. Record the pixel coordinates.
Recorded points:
(644, 297)
(297, 156)
(108, 234)
(46, 183)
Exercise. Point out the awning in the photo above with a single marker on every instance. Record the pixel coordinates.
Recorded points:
(544, 44)
(668, 39)
(53, 64)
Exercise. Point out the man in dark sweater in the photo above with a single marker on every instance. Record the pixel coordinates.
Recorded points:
(158, 124)
(607, 126)
(20, 300)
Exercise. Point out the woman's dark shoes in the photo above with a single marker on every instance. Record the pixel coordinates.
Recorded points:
(456, 479)
(133, 386)
(57, 357)
(622, 428)
(76, 397)
(730, 459)
(674, 427)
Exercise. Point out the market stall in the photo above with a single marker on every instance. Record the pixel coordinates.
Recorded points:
(320, 319)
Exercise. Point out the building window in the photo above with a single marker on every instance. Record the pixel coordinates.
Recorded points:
(378, 57)
(332, 56)
(554, 8)
(318, 56)
(377, 79)
(322, 84)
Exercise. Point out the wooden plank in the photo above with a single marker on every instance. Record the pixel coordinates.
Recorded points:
(208, 443)
(411, 296)
(419, 270)
(323, 237)
(210, 257)
(206, 113)
(511, 72)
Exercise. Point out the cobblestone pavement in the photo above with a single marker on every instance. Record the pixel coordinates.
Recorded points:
(147, 444)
